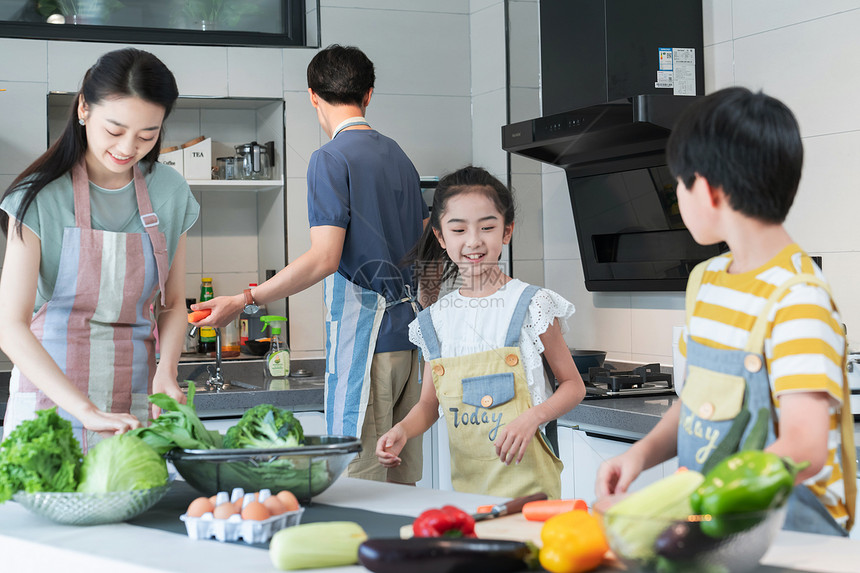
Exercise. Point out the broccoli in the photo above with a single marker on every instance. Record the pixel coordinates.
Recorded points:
(265, 426)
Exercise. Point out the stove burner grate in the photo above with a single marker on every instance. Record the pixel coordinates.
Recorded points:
(646, 379)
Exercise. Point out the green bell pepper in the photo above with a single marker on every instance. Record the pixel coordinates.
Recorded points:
(747, 482)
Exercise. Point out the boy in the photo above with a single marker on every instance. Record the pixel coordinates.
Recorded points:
(737, 156)
(366, 212)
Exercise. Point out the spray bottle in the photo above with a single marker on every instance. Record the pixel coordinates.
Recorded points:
(277, 364)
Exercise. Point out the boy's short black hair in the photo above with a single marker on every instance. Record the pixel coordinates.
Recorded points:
(341, 75)
(746, 143)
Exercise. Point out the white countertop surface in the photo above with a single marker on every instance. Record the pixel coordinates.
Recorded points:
(29, 543)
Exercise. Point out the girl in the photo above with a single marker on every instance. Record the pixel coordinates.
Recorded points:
(95, 229)
(483, 344)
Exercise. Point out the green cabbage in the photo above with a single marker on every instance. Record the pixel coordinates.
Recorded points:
(122, 463)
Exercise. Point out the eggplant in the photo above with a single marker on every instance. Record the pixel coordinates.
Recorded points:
(684, 540)
(445, 555)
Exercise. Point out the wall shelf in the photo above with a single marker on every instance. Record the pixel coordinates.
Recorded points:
(236, 185)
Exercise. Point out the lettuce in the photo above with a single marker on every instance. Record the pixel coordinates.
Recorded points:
(40, 455)
(122, 463)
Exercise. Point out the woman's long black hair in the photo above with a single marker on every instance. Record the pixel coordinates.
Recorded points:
(121, 73)
(433, 266)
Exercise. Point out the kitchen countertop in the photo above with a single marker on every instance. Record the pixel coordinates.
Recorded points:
(630, 417)
(249, 387)
(29, 543)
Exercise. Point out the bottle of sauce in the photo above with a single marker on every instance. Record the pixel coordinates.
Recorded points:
(206, 342)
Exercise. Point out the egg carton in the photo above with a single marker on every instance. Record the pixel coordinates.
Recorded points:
(235, 528)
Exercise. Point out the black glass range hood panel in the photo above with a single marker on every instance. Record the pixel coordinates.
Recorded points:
(598, 135)
(625, 209)
(629, 229)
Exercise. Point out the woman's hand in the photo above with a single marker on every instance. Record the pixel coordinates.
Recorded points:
(389, 445)
(514, 438)
(107, 423)
(165, 385)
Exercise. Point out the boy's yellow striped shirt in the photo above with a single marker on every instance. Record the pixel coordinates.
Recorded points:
(804, 341)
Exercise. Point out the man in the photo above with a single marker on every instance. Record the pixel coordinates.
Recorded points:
(366, 213)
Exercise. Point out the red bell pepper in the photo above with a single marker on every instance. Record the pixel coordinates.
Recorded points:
(449, 521)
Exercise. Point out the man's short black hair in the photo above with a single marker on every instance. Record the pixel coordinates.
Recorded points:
(746, 143)
(341, 75)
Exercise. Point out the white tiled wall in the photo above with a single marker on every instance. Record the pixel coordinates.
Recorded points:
(423, 99)
(805, 53)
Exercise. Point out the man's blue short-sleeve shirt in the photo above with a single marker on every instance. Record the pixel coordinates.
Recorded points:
(363, 182)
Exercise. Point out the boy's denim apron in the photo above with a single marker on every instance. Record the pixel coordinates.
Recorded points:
(479, 393)
(724, 385)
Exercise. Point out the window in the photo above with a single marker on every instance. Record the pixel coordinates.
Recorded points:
(192, 22)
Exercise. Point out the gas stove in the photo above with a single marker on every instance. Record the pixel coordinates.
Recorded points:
(640, 381)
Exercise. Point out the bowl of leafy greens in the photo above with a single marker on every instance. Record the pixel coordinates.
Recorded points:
(42, 468)
(266, 449)
(306, 470)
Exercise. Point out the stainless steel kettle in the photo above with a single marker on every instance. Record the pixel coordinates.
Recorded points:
(254, 161)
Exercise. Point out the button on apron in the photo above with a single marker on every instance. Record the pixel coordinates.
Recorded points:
(752, 362)
(511, 360)
(487, 401)
(438, 370)
(706, 410)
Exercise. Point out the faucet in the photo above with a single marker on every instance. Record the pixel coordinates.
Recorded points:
(216, 379)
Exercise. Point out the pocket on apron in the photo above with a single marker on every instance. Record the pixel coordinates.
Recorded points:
(486, 404)
(713, 396)
(489, 390)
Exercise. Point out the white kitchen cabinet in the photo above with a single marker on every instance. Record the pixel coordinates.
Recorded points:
(582, 455)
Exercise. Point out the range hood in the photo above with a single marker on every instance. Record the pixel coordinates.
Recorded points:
(596, 138)
(612, 79)
(615, 75)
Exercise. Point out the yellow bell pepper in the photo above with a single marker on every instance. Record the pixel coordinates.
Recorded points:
(573, 542)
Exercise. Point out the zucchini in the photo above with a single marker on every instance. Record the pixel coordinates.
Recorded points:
(730, 442)
(757, 436)
(445, 555)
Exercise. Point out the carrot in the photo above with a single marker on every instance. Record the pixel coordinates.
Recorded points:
(197, 315)
(543, 510)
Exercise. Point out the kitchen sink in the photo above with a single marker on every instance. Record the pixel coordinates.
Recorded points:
(200, 386)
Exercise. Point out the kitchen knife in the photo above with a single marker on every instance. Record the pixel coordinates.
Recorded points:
(509, 507)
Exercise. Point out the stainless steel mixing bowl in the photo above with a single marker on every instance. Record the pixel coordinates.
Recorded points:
(306, 470)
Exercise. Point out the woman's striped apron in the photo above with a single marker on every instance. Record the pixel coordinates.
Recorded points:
(98, 326)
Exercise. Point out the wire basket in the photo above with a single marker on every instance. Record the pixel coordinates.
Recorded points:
(76, 508)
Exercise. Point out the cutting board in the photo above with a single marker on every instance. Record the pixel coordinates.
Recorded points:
(512, 527)
(515, 528)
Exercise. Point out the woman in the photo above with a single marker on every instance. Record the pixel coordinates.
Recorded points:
(95, 229)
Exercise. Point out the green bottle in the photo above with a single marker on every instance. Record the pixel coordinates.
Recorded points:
(277, 363)
(206, 342)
